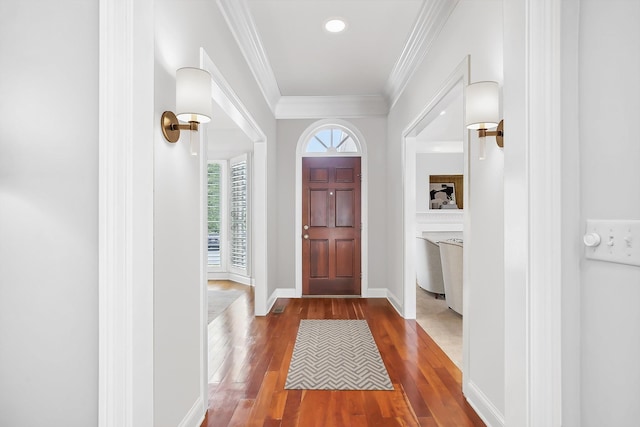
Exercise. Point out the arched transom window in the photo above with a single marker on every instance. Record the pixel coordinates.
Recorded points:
(333, 139)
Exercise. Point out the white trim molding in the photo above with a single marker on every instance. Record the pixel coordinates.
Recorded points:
(533, 213)
(280, 293)
(224, 95)
(395, 301)
(431, 19)
(376, 293)
(195, 416)
(442, 216)
(240, 21)
(225, 275)
(322, 107)
(459, 76)
(125, 222)
(483, 406)
(545, 213)
(204, 294)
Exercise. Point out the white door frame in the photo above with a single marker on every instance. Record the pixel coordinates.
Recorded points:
(224, 95)
(535, 172)
(459, 76)
(126, 133)
(364, 212)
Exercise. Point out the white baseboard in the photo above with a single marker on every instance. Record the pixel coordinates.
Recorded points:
(395, 302)
(376, 293)
(272, 300)
(286, 293)
(243, 280)
(195, 416)
(280, 293)
(483, 406)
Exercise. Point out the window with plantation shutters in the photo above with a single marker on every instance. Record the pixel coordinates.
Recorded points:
(228, 219)
(238, 221)
(215, 217)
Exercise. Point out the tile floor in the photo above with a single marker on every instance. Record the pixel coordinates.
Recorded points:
(441, 323)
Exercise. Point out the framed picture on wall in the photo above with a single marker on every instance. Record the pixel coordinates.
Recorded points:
(445, 192)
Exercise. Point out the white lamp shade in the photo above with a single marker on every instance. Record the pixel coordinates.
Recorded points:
(193, 95)
(482, 109)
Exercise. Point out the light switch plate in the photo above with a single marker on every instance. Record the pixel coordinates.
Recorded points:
(619, 241)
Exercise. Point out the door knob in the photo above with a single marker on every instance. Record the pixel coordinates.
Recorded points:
(306, 227)
(306, 237)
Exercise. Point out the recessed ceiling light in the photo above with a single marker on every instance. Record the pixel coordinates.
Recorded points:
(443, 112)
(335, 25)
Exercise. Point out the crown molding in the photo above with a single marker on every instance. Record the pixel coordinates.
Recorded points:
(242, 26)
(321, 107)
(432, 18)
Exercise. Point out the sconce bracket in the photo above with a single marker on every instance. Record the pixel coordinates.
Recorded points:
(169, 124)
(500, 134)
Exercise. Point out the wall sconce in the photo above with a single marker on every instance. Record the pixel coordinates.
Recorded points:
(483, 112)
(193, 104)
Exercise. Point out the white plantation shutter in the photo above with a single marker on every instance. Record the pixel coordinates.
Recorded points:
(238, 218)
(215, 214)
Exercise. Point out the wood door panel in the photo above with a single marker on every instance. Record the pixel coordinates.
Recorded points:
(319, 175)
(337, 286)
(344, 175)
(345, 253)
(318, 208)
(319, 258)
(331, 253)
(345, 208)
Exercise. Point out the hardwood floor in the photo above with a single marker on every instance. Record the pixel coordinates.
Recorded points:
(251, 358)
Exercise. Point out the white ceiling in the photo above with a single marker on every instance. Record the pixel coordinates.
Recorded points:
(302, 68)
(443, 130)
(308, 61)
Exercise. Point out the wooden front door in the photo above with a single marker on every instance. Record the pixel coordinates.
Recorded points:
(330, 226)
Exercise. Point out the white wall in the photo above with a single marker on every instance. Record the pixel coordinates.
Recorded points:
(182, 27)
(177, 288)
(434, 164)
(49, 214)
(609, 157)
(473, 28)
(571, 228)
(289, 132)
(374, 133)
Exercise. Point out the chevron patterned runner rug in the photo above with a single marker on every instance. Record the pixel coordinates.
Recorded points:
(336, 355)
